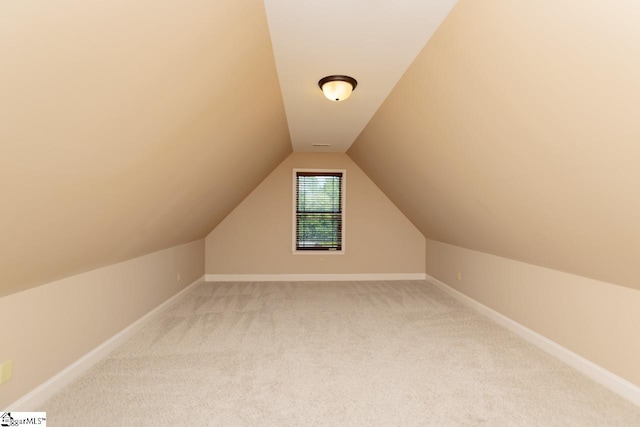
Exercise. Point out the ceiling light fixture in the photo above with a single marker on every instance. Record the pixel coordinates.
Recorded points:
(337, 88)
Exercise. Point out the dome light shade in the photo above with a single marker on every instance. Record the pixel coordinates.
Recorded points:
(337, 88)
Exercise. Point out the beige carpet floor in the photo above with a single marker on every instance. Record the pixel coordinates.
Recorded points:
(338, 354)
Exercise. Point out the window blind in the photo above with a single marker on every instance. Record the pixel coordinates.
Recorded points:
(319, 211)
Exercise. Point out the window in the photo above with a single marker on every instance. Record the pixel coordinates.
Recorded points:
(319, 210)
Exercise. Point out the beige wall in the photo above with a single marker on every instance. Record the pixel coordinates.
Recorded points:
(594, 319)
(515, 132)
(46, 328)
(256, 238)
(122, 125)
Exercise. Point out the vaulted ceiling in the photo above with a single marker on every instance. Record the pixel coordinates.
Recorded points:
(516, 132)
(128, 127)
(372, 41)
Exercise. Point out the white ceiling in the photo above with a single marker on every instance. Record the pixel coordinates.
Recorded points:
(373, 41)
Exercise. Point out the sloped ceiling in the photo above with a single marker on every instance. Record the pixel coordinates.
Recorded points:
(516, 132)
(372, 41)
(130, 126)
(127, 127)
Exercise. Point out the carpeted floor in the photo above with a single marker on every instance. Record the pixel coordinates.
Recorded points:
(341, 353)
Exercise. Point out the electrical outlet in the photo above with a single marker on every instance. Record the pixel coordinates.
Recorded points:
(459, 276)
(6, 371)
(179, 277)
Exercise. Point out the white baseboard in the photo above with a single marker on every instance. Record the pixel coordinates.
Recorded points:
(44, 391)
(597, 373)
(311, 277)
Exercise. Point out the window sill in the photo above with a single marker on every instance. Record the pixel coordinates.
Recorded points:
(294, 252)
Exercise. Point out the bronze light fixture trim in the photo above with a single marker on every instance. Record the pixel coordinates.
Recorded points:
(337, 87)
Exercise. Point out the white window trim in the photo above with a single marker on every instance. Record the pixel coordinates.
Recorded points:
(344, 213)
